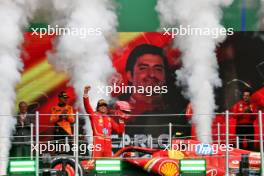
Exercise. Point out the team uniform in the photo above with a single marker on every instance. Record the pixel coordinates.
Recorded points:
(102, 126)
(244, 122)
(62, 125)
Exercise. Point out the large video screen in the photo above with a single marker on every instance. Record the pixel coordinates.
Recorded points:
(240, 60)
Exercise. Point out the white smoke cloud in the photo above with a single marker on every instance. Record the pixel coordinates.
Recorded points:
(13, 17)
(54, 12)
(200, 70)
(86, 59)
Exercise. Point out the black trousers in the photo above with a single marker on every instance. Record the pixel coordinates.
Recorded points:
(246, 131)
(60, 136)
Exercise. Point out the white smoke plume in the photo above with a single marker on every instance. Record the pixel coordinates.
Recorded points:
(54, 12)
(13, 17)
(200, 69)
(86, 58)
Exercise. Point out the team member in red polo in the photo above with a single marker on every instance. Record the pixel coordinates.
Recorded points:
(102, 125)
(244, 122)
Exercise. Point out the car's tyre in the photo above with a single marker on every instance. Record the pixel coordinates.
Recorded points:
(66, 167)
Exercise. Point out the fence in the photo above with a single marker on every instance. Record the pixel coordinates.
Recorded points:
(150, 141)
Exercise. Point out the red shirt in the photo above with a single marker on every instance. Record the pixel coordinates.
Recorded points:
(243, 107)
(102, 124)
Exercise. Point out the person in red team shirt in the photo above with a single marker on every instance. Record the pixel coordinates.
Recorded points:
(244, 122)
(102, 125)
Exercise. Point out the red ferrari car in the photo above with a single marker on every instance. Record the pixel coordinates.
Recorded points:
(168, 161)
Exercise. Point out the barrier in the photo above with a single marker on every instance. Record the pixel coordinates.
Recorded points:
(121, 141)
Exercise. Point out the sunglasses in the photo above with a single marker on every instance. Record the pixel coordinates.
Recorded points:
(102, 105)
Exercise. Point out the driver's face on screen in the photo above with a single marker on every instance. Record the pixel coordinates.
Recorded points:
(148, 71)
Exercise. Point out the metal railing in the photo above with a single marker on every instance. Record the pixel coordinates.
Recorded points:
(76, 135)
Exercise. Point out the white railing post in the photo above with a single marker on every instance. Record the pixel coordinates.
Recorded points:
(227, 144)
(261, 142)
(31, 140)
(37, 143)
(77, 143)
(237, 142)
(74, 138)
(123, 139)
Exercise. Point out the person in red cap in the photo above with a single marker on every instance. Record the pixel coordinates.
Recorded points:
(62, 116)
(122, 109)
(102, 125)
(244, 122)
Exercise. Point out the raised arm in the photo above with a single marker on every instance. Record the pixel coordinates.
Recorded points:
(86, 101)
